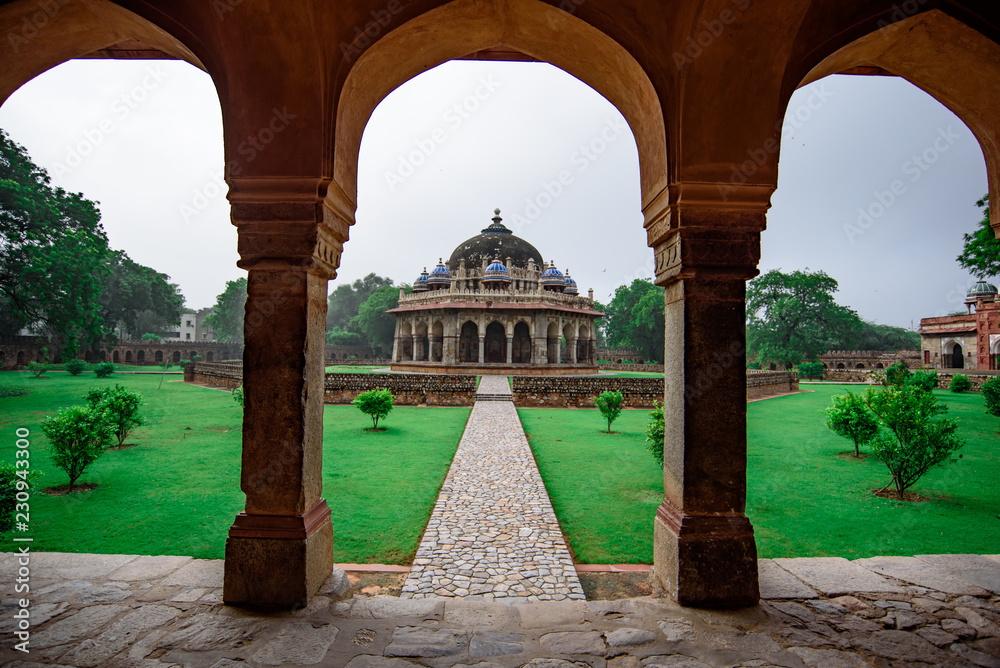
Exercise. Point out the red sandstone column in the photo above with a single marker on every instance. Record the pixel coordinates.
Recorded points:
(280, 549)
(704, 550)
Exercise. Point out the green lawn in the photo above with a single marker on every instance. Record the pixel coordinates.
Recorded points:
(605, 488)
(177, 491)
(803, 498)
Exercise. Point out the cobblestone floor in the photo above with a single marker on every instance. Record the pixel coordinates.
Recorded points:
(89, 610)
(493, 533)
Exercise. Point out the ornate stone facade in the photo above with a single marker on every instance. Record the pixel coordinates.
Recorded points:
(509, 315)
(969, 341)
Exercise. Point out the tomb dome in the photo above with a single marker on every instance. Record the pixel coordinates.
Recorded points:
(495, 241)
(981, 290)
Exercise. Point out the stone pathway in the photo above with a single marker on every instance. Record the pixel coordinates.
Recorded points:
(493, 533)
(165, 612)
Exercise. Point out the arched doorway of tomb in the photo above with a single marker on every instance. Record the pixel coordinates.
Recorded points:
(522, 344)
(568, 342)
(468, 343)
(421, 353)
(552, 342)
(437, 341)
(954, 356)
(583, 351)
(496, 343)
(405, 349)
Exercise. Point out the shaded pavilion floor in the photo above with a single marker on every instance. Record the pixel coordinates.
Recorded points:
(155, 611)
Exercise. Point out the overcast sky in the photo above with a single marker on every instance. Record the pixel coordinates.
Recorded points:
(441, 152)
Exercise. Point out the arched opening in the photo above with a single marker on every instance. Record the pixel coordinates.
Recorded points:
(88, 356)
(128, 356)
(522, 344)
(140, 357)
(423, 347)
(774, 367)
(20, 357)
(104, 355)
(568, 344)
(405, 341)
(954, 357)
(552, 342)
(437, 341)
(468, 343)
(878, 365)
(210, 356)
(583, 349)
(176, 357)
(859, 365)
(159, 356)
(114, 357)
(496, 343)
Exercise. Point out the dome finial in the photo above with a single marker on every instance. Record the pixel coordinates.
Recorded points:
(496, 211)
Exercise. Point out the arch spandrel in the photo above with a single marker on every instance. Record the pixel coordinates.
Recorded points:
(947, 59)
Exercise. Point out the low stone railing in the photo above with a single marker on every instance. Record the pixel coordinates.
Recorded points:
(763, 383)
(408, 389)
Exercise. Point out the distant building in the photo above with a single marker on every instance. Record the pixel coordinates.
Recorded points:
(966, 341)
(495, 307)
(192, 327)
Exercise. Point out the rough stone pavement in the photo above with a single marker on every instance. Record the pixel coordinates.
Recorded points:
(157, 612)
(493, 533)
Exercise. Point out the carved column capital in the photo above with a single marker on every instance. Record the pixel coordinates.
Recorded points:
(290, 224)
(706, 230)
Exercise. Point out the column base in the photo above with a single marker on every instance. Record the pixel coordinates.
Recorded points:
(278, 561)
(705, 561)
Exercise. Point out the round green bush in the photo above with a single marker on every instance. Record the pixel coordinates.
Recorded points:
(104, 369)
(960, 383)
(75, 366)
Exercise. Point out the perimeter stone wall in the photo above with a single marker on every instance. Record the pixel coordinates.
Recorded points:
(645, 368)
(977, 378)
(408, 389)
(561, 391)
(763, 383)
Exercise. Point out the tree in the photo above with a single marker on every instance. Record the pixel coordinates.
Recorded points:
(230, 306)
(960, 383)
(75, 366)
(655, 432)
(849, 417)
(881, 337)
(810, 369)
(610, 404)
(156, 338)
(635, 319)
(981, 252)
(104, 369)
(793, 318)
(341, 337)
(119, 407)
(914, 439)
(377, 326)
(600, 336)
(52, 253)
(345, 301)
(376, 404)
(136, 298)
(991, 396)
(79, 436)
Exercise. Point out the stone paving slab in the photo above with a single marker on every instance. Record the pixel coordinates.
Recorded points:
(916, 627)
(835, 576)
(919, 572)
(73, 566)
(777, 583)
(148, 568)
(493, 533)
(974, 568)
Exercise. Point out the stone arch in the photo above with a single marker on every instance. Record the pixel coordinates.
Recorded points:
(423, 348)
(495, 350)
(531, 27)
(159, 356)
(878, 365)
(128, 356)
(468, 343)
(437, 341)
(953, 355)
(140, 357)
(176, 357)
(584, 352)
(521, 343)
(552, 339)
(405, 340)
(88, 356)
(115, 357)
(103, 355)
(954, 63)
(840, 365)
(20, 357)
(859, 365)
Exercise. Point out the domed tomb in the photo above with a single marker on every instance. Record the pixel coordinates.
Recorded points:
(496, 241)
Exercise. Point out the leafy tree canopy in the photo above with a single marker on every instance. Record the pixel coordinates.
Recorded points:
(138, 299)
(793, 317)
(377, 326)
(227, 320)
(345, 301)
(635, 318)
(52, 252)
(981, 252)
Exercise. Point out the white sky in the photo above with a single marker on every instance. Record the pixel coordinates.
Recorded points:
(151, 133)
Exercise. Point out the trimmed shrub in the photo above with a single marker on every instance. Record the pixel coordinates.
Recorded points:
(925, 380)
(8, 390)
(79, 436)
(610, 404)
(12, 481)
(75, 366)
(897, 374)
(849, 417)
(119, 407)
(37, 368)
(991, 395)
(104, 369)
(376, 404)
(960, 383)
(654, 432)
